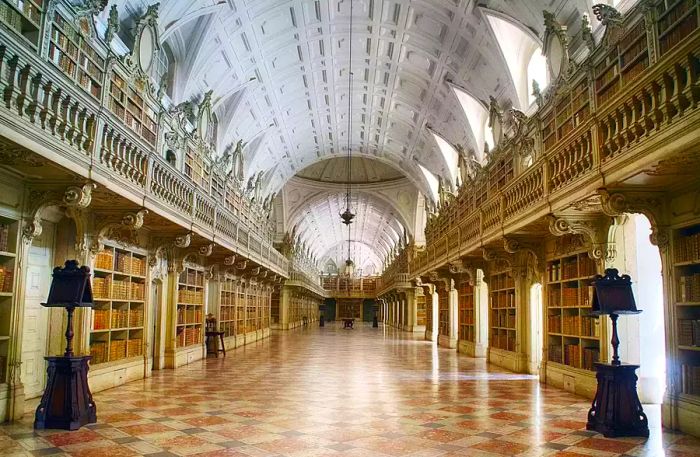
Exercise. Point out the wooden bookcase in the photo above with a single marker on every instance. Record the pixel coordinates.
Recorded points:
(503, 318)
(676, 19)
(241, 310)
(23, 17)
(429, 324)
(570, 111)
(196, 169)
(443, 312)
(686, 300)
(74, 56)
(501, 174)
(190, 307)
(119, 293)
(421, 314)
(573, 336)
(622, 63)
(227, 306)
(466, 310)
(8, 257)
(128, 105)
(252, 322)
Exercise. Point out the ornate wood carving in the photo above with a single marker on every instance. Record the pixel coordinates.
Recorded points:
(616, 202)
(595, 227)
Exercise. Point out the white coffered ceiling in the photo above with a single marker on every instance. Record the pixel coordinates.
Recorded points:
(296, 108)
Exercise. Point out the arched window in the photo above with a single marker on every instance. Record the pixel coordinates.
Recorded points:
(171, 158)
(522, 53)
(163, 69)
(432, 182)
(478, 119)
(449, 154)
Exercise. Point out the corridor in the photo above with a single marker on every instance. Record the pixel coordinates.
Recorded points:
(334, 392)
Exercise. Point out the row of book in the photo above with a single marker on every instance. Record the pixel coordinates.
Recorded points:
(104, 319)
(191, 296)
(675, 35)
(189, 315)
(10, 17)
(192, 277)
(689, 288)
(7, 278)
(503, 319)
(104, 260)
(689, 332)
(4, 237)
(90, 84)
(229, 328)
(573, 325)
(503, 341)
(687, 248)
(690, 379)
(573, 356)
(227, 313)
(129, 264)
(466, 333)
(466, 316)
(503, 299)
(189, 336)
(3, 364)
(502, 281)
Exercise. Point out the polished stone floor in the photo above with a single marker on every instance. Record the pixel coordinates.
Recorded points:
(334, 392)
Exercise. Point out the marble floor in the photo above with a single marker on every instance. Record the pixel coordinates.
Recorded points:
(334, 392)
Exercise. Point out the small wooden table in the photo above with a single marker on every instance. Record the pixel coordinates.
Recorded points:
(214, 334)
(348, 323)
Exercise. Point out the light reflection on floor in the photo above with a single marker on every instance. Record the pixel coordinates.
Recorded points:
(335, 392)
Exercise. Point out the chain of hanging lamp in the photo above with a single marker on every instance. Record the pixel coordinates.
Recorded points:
(348, 215)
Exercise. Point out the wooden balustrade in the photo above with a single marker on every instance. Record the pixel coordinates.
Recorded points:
(48, 103)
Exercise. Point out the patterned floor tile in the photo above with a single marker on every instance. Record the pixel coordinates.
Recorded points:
(327, 392)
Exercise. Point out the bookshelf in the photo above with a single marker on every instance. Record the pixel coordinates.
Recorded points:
(119, 293)
(569, 111)
(622, 63)
(686, 299)
(501, 174)
(190, 307)
(444, 312)
(429, 325)
(241, 310)
(195, 168)
(227, 307)
(465, 293)
(502, 333)
(74, 56)
(23, 17)
(129, 106)
(8, 256)
(676, 19)
(252, 321)
(420, 310)
(573, 336)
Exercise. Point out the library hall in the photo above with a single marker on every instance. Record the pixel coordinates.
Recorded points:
(351, 228)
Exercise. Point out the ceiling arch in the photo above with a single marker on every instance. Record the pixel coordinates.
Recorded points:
(296, 52)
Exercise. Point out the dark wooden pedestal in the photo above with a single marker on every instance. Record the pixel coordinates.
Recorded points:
(616, 409)
(67, 402)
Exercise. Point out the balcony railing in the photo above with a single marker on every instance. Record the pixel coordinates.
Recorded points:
(40, 102)
(630, 125)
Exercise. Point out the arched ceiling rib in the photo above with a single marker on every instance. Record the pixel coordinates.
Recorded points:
(298, 53)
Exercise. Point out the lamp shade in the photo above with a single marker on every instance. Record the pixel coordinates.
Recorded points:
(70, 286)
(612, 294)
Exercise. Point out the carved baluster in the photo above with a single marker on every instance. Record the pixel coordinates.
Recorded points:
(81, 130)
(22, 83)
(61, 118)
(45, 111)
(11, 86)
(682, 78)
(34, 95)
(668, 98)
(693, 90)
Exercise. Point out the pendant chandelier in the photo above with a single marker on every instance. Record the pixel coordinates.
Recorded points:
(347, 216)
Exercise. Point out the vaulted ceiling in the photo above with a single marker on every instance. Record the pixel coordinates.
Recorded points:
(279, 72)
